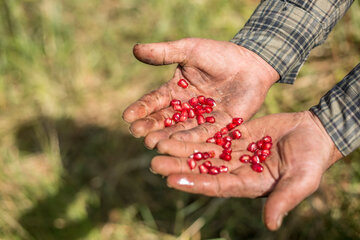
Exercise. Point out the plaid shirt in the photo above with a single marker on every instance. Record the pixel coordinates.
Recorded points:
(283, 32)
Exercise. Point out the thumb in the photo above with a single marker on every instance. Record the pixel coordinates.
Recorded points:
(162, 53)
(288, 193)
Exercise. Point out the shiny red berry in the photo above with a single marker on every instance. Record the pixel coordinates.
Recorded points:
(267, 139)
(255, 159)
(206, 155)
(208, 109)
(259, 143)
(252, 147)
(201, 99)
(191, 163)
(200, 119)
(182, 83)
(175, 102)
(210, 140)
(227, 139)
(226, 157)
(238, 121)
(176, 117)
(198, 156)
(265, 152)
(207, 164)
(213, 170)
(168, 122)
(245, 158)
(191, 113)
(210, 119)
(231, 126)
(227, 145)
(236, 134)
(227, 151)
(223, 169)
(183, 116)
(210, 102)
(219, 141)
(257, 167)
(266, 146)
(203, 169)
(262, 158)
(217, 135)
(224, 131)
(177, 107)
(185, 106)
(194, 101)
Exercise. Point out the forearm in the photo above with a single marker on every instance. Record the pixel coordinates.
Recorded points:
(339, 112)
(284, 32)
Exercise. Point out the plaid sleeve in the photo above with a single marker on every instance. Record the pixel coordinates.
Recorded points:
(339, 112)
(283, 32)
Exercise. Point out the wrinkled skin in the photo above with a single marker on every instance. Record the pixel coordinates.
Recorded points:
(235, 77)
(302, 151)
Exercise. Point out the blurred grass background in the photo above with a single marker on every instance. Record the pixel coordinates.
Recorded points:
(69, 168)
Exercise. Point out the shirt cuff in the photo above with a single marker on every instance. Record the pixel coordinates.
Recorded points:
(284, 32)
(339, 112)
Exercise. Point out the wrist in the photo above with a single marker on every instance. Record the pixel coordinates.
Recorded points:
(335, 154)
(265, 73)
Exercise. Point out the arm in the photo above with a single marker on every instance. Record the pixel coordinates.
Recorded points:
(283, 32)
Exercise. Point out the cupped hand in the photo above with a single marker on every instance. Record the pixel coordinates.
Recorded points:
(301, 152)
(235, 77)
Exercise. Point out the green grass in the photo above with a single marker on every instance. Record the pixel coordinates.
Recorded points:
(69, 168)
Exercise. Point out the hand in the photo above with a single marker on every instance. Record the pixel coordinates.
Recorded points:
(302, 151)
(235, 77)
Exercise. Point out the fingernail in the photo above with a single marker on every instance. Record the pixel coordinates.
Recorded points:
(152, 171)
(185, 182)
(279, 221)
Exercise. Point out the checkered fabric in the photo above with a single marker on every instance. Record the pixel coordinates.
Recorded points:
(339, 112)
(283, 32)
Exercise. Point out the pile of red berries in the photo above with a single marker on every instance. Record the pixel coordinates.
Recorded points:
(197, 106)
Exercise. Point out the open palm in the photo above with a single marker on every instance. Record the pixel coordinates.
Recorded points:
(235, 77)
(301, 153)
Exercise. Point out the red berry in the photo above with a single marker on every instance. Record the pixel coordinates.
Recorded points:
(182, 83)
(191, 163)
(203, 169)
(177, 107)
(168, 122)
(213, 170)
(227, 145)
(176, 117)
(219, 141)
(191, 113)
(210, 119)
(201, 99)
(259, 144)
(207, 164)
(208, 109)
(245, 158)
(206, 155)
(210, 140)
(227, 151)
(175, 102)
(267, 139)
(226, 157)
(266, 146)
(223, 169)
(200, 119)
(194, 101)
(227, 139)
(231, 126)
(210, 102)
(236, 134)
(185, 105)
(255, 159)
(212, 154)
(198, 156)
(252, 147)
(257, 167)
(224, 131)
(262, 158)
(217, 135)
(238, 121)
(265, 152)
(184, 116)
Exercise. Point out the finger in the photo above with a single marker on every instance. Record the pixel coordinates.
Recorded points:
(288, 193)
(166, 165)
(162, 53)
(184, 149)
(202, 132)
(244, 183)
(153, 122)
(148, 104)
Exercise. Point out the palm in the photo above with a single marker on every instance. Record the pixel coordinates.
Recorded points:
(235, 77)
(291, 173)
